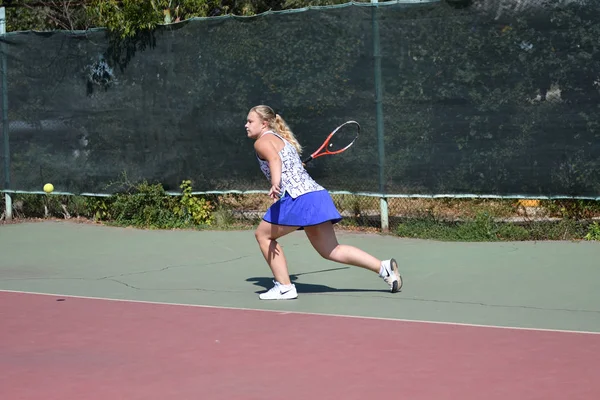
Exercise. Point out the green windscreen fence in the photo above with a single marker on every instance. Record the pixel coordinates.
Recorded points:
(484, 100)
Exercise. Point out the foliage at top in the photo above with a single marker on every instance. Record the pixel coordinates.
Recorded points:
(126, 18)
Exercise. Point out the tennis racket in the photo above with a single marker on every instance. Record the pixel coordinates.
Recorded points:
(338, 141)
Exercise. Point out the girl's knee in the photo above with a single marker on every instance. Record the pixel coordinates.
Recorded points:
(262, 234)
(326, 252)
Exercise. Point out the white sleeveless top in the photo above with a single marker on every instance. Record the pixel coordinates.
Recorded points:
(294, 178)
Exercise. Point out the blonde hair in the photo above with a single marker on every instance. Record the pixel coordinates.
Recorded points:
(277, 123)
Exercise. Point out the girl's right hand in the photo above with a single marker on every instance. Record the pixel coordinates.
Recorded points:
(275, 192)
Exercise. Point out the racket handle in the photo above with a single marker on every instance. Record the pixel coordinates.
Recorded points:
(306, 160)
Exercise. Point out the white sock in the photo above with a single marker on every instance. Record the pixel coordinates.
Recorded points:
(382, 270)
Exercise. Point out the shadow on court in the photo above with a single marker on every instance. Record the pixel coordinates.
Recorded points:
(265, 283)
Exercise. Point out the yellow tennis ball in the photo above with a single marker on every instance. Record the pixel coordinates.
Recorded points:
(48, 188)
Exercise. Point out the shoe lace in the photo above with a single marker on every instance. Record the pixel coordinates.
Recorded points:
(275, 288)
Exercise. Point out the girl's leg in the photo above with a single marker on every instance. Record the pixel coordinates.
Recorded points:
(323, 239)
(266, 235)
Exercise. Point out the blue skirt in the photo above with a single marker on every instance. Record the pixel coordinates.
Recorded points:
(309, 209)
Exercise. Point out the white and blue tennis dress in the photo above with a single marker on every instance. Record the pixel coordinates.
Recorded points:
(303, 201)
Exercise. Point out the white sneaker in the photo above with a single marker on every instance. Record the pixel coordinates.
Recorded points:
(280, 292)
(391, 275)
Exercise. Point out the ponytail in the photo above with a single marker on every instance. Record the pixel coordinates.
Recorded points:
(282, 128)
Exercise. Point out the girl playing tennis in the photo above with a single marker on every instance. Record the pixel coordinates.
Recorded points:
(300, 203)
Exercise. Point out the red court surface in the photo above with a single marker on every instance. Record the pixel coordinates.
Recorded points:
(67, 348)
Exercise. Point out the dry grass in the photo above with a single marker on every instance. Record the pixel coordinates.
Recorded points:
(365, 210)
(246, 202)
(451, 209)
(362, 213)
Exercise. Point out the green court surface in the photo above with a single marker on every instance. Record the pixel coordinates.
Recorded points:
(540, 285)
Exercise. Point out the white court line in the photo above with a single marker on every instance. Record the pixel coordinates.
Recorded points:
(307, 313)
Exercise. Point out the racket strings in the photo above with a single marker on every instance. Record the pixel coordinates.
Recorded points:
(342, 138)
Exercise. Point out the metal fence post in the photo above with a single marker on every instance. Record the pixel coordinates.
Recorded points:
(383, 206)
(7, 198)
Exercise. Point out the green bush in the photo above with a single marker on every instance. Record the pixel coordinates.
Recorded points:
(193, 210)
(593, 232)
(151, 207)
